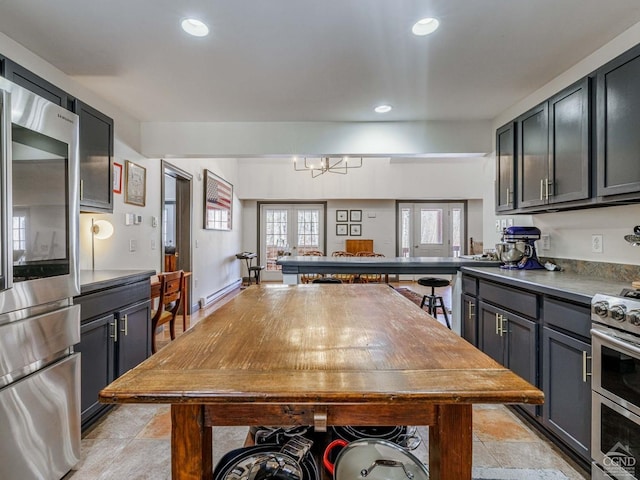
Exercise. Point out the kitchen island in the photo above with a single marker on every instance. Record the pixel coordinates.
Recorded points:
(320, 355)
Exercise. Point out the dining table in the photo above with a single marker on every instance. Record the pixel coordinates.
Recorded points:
(320, 355)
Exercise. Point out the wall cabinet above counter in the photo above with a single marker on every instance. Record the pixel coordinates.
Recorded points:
(578, 149)
(95, 137)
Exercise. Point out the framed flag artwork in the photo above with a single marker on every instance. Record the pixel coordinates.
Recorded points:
(218, 202)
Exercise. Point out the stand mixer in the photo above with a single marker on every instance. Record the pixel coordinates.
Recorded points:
(517, 249)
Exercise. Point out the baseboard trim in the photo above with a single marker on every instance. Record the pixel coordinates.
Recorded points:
(205, 301)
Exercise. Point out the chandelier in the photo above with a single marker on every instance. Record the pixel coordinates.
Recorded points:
(321, 165)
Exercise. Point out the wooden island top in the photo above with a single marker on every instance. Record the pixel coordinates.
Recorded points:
(320, 355)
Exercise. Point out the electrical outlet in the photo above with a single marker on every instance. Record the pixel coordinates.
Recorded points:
(153, 244)
(133, 245)
(498, 228)
(596, 243)
(546, 242)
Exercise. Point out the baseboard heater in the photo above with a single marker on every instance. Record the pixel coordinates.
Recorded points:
(204, 301)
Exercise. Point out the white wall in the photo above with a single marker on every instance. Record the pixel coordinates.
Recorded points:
(214, 263)
(374, 188)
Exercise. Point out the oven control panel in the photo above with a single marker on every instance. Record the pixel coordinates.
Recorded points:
(621, 312)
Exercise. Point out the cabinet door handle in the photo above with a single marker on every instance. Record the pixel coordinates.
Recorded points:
(81, 189)
(115, 330)
(547, 184)
(125, 322)
(542, 189)
(508, 195)
(471, 312)
(498, 324)
(585, 374)
(504, 326)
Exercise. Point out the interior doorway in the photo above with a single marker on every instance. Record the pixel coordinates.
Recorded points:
(176, 221)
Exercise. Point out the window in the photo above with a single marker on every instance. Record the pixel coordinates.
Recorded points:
(431, 226)
(20, 232)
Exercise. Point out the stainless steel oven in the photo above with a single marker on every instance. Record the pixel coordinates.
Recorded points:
(39, 372)
(615, 439)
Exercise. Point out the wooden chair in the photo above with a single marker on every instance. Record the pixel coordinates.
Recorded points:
(169, 301)
(343, 277)
(310, 277)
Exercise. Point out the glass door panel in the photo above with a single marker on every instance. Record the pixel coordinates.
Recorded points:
(289, 229)
(431, 229)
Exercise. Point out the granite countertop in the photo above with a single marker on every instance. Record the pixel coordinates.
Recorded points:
(566, 285)
(93, 280)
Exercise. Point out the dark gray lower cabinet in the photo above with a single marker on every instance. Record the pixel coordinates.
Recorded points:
(469, 324)
(134, 335)
(548, 344)
(567, 388)
(510, 340)
(115, 336)
(97, 363)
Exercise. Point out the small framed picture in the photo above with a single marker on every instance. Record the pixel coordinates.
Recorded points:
(354, 230)
(355, 216)
(342, 216)
(341, 229)
(117, 178)
(135, 184)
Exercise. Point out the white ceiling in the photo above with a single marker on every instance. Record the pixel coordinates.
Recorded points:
(314, 60)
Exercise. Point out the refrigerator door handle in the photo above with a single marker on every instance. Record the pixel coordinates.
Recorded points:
(6, 203)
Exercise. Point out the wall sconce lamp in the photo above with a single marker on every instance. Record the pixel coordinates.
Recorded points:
(100, 229)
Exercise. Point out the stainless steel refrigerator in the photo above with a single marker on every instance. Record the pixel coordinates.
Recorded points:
(39, 202)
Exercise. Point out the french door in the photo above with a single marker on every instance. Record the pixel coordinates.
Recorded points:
(289, 229)
(431, 229)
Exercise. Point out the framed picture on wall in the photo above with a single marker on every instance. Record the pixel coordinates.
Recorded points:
(355, 229)
(341, 229)
(117, 178)
(355, 215)
(135, 189)
(218, 200)
(342, 215)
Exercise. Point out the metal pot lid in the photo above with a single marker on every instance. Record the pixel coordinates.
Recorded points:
(378, 460)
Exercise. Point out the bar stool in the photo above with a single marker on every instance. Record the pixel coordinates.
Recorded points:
(435, 301)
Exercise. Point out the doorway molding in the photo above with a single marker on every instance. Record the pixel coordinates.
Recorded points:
(183, 220)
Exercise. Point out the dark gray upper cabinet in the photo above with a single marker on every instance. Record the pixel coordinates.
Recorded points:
(533, 157)
(505, 167)
(26, 79)
(618, 124)
(569, 141)
(96, 159)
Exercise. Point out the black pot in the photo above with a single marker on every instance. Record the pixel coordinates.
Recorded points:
(262, 462)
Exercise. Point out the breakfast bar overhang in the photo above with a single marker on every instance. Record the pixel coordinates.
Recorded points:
(293, 266)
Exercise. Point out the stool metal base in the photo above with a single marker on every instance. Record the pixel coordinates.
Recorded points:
(435, 302)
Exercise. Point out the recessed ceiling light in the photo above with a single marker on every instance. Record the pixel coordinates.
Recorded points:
(425, 26)
(195, 27)
(383, 108)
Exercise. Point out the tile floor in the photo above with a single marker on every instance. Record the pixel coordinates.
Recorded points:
(133, 442)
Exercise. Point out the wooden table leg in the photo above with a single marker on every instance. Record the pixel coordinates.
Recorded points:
(451, 443)
(191, 443)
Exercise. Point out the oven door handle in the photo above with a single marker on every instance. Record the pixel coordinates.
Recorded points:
(625, 347)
